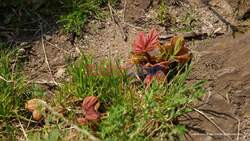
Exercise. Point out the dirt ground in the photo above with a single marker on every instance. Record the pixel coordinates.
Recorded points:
(48, 59)
(223, 61)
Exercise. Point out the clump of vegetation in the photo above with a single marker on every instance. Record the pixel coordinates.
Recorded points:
(163, 15)
(14, 91)
(152, 113)
(119, 109)
(150, 60)
(115, 108)
(29, 16)
(188, 20)
(102, 101)
(79, 12)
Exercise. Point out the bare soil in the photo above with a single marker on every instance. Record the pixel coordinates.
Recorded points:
(49, 58)
(224, 63)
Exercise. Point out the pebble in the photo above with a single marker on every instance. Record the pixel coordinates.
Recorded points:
(48, 37)
(59, 73)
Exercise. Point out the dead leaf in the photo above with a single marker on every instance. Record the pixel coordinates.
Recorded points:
(36, 108)
(37, 115)
(183, 58)
(183, 50)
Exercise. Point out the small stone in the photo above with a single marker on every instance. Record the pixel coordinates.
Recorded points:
(59, 73)
(48, 37)
(101, 26)
(208, 138)
(226, 71)
(21, 51)
(24, 43)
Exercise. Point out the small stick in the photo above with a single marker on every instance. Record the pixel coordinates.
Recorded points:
(24, 133)
(112, 12)
(209, 119)
(45, 56)
(29, 123)
(57, 47)
(133, 26)
(189, 35)
(186, 35)
(43, 82)
(124, 10)
(2, 28)
(8, 81)
(238, 133)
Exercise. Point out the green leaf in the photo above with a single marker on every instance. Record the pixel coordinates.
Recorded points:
(34, 137)
(54, 135)
(178, 45)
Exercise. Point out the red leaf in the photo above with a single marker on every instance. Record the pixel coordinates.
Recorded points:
(159, 76)
(82, 121)
(145, 43)
(139, 44)
(152, 39)
(90, 107)
(148, 80)
(89, 103)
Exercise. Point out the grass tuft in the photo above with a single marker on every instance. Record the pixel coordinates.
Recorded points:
(132, 112)
(129, 110)
(13, 93)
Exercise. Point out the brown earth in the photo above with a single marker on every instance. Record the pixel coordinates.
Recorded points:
(48, 59)
(224, 62)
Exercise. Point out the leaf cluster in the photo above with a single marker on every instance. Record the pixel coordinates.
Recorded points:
(151, 60)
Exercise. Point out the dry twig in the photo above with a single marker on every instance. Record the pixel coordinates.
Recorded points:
(238, 132)
(24, 133)
(124, 10)
(133, 26)
(45, 56)
(8, 81)
(44, 82)
(57, 47)
(190, 35)
(115, 20)
(210, 120)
